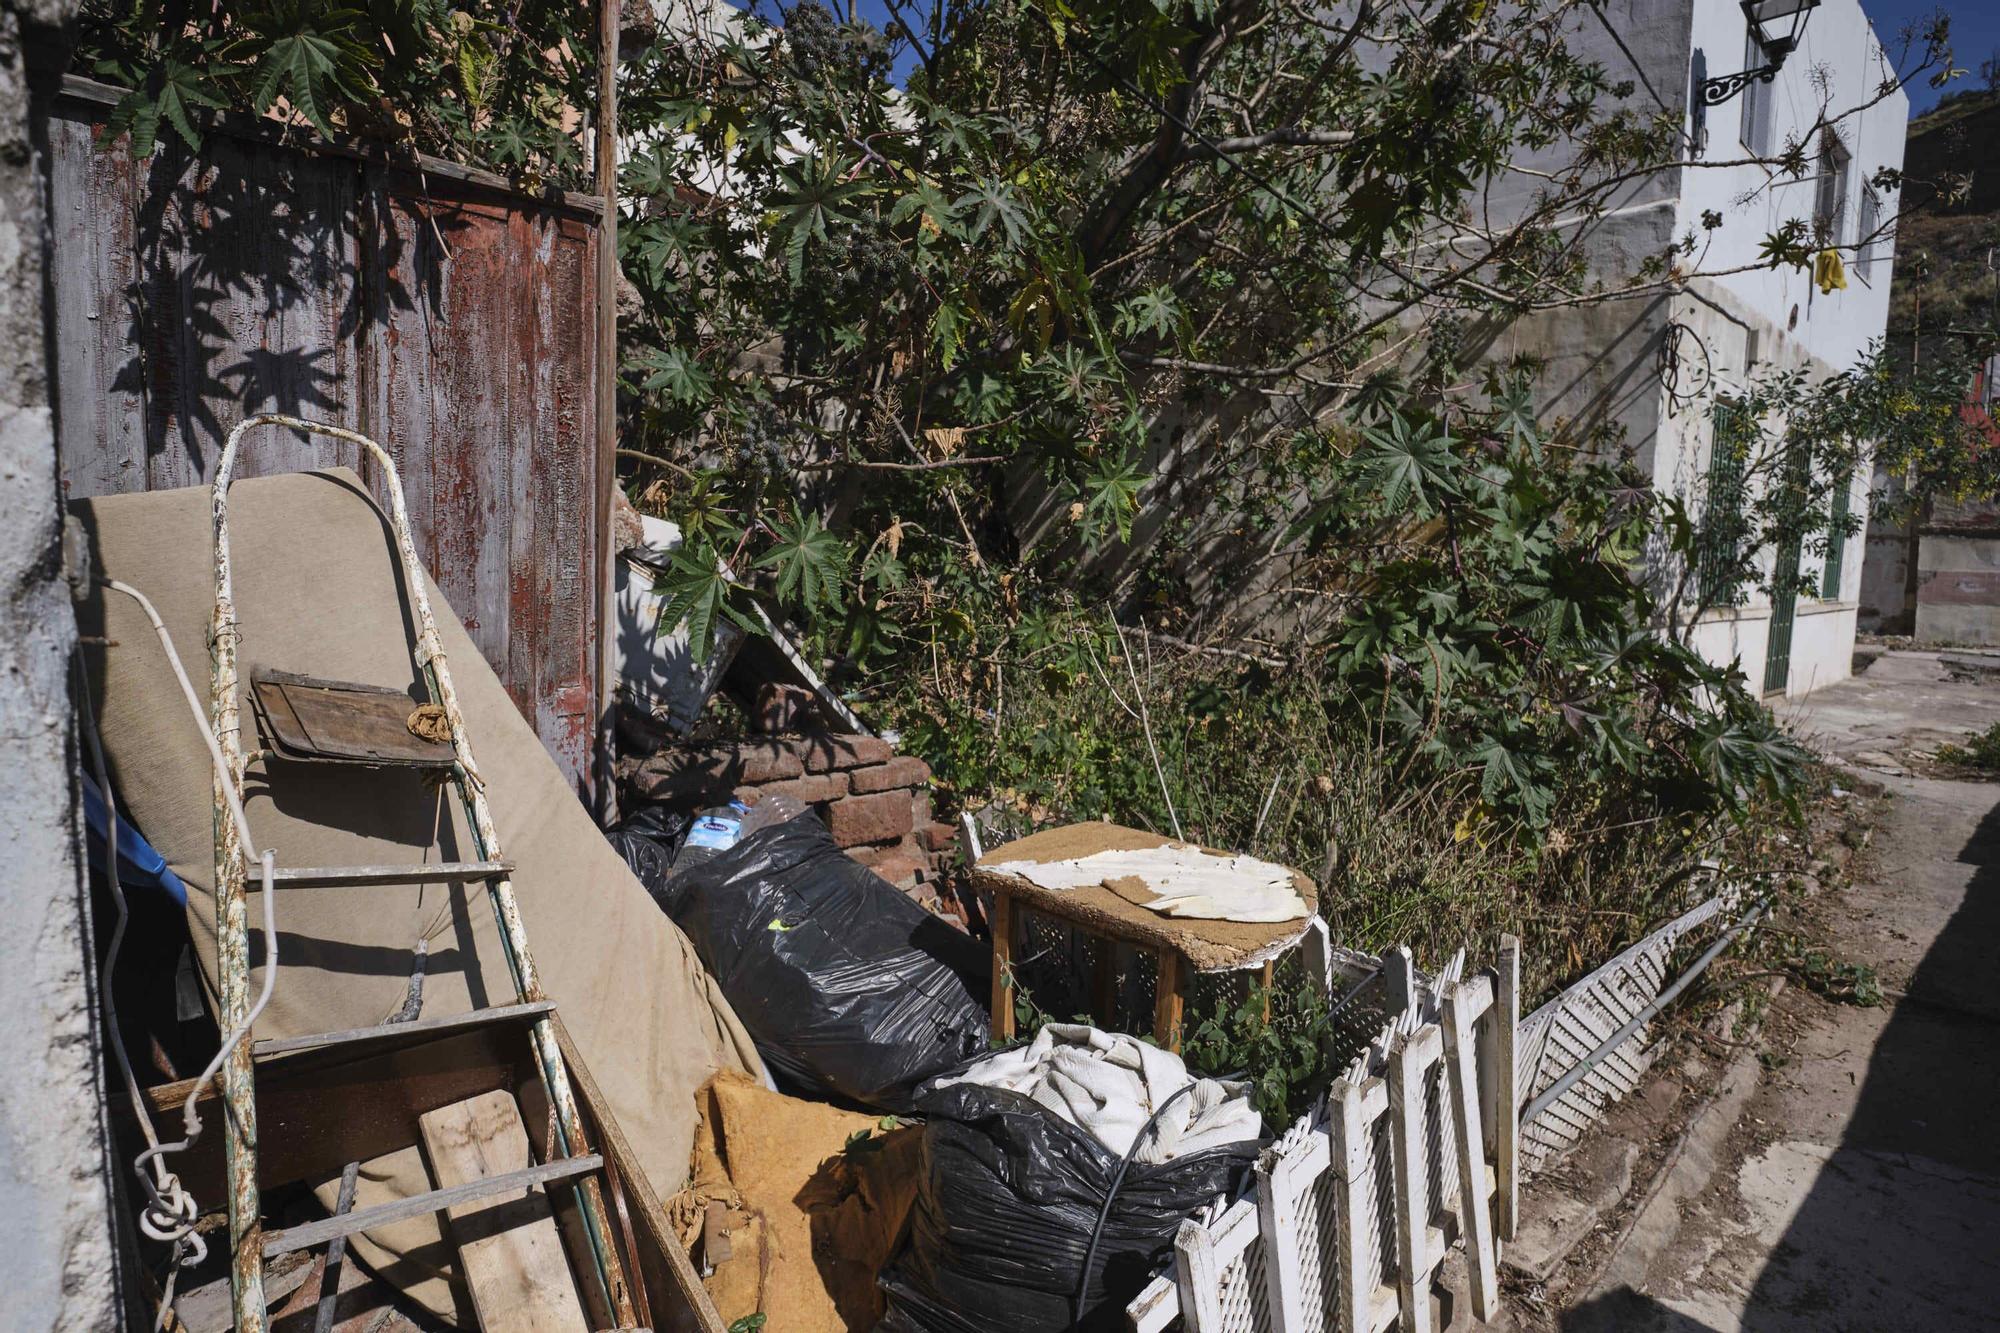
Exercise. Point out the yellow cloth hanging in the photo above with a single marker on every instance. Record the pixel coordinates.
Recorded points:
(1829, 272)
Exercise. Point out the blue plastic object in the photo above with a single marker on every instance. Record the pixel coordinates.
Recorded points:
(139, 866)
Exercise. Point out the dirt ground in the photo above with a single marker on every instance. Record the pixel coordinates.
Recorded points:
(1842, 1172)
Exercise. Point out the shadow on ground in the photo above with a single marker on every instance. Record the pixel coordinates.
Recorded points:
(1900, 1225)
(1628, 1309)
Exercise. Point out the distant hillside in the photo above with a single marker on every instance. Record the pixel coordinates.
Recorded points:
(1946, 283)
(1955, 107)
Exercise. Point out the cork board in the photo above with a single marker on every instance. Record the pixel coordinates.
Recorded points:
(1114, 909)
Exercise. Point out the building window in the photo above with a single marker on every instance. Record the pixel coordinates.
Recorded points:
(1755, 129)
(1719, 542)
(1830, 198)
(1836, 542)
(1870, 223)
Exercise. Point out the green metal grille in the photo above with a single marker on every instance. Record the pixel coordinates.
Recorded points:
(1836, 542)
(1719, 543)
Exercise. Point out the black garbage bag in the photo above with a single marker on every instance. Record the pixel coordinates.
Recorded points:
(1007, 1201)
(648, 839)
(849, 988)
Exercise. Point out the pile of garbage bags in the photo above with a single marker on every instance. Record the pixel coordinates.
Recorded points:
(1054, 1178)
(850, 990)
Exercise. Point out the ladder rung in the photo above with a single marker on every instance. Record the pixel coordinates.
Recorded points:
(445, 1023)
(333, 877)
(367, 1219)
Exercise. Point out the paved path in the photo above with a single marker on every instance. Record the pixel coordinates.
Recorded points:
(1859, 1188)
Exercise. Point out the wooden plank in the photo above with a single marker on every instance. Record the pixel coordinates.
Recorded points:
(1199, 1278)
(1278, 1220)
(1155, 1309)
(680, 1304)
(367, 1219)
(1406, 1126)
(426, 1026)
(509, 1254)
(1462, 1091)
(1169, 1000)
(1506, 1026)
(1003, 966)
(1352, 1148)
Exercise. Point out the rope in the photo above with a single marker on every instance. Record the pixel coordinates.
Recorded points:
(429, 722)
(170, 1211)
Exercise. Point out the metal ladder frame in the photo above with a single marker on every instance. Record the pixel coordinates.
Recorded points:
(247, 1241)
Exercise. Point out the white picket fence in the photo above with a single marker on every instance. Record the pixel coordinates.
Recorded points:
(1563, 1033)
(1413, 1150)
(1328, 1242)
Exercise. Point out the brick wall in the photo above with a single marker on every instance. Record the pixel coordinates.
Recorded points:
(876, 802)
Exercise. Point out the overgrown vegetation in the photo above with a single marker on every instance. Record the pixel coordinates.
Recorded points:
(496, 85)
(1105, 401)
(1981, 751)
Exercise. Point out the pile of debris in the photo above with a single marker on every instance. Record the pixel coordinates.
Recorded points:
(875, 802)
(797, 737)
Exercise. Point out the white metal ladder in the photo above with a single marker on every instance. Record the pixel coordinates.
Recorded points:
(249, 1245)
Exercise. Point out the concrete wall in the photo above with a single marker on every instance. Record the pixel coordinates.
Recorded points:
(57, 1263)
(1958, 576)
(1887, 606)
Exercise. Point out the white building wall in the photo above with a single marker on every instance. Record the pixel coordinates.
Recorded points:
(1744, 317)
(1839, 66)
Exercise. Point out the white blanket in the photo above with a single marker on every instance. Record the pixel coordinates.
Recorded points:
(1185, 880)
(1110, 1084)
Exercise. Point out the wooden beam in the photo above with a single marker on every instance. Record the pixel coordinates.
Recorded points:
(509, 1253)
(1003, 966)
(1169, 1000)
(680, 1304)
(606, 406)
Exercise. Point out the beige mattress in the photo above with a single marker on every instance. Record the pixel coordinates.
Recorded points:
(318, 592)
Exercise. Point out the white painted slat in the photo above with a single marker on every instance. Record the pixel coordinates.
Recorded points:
(1462, 1090)
(1199, 1278)
(1278, 1220)
(1406, 1119)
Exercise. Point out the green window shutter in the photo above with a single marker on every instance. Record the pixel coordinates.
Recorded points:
(1719, 542)
(1836, 544)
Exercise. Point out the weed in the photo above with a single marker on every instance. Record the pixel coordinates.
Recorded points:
(1981, 751)
(1841, 982)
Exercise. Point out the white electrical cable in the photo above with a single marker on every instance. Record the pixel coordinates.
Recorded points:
(171, 1213)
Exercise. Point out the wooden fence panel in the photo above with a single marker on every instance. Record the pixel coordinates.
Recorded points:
(434, 309)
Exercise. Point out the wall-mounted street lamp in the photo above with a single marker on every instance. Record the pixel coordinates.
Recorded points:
(1777, 26)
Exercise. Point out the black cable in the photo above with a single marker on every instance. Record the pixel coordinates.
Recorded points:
(1110, 1197)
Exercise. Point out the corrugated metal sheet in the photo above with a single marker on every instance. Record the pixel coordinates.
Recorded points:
(450, 319)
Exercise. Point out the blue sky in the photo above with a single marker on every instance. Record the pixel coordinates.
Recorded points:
(1975, 27)
(1975, 36)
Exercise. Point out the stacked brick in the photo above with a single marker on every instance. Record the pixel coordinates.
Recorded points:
(876, 802)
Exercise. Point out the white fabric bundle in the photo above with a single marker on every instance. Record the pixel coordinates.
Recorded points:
(1109, 1085)
(1187, 881)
